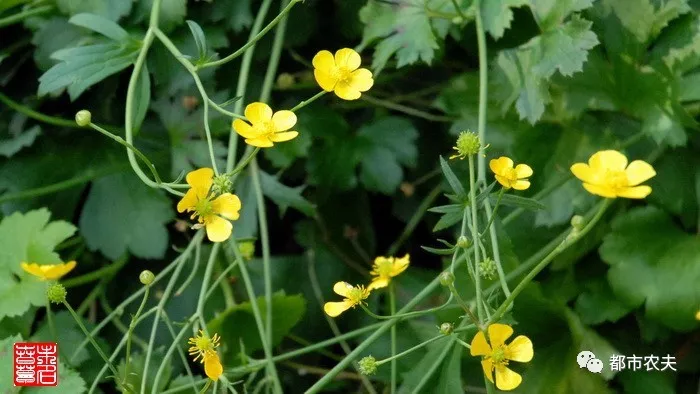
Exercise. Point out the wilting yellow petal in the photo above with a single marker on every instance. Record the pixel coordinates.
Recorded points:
(585, 173)
(261, 142)
(400, 265)
(227, 205)
(348, 58)
(378, 283)
(520, 349)
(218, 229)
(602, 191)
(48, 271)
(498, 166)
(244, 129)
(487, 366)
(361, 80)
(498, 333)
(346, 91)
(212, 366)
(507, 379)
(523, 171)
(285, 136)
(635, 192)
(479, 346)
(325, 80)
(323, 61)
(608, 160)
(343, 288)
(639, 171)
(334, 309)
(258, 113)
(200, 179)
(284, 120)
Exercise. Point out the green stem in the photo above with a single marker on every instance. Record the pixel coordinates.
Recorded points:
(306, 102)
(206, 387)
(276, 52)
(49, 319)
(464, 306)
(219, 280)
(19, 17)
(241, 165)
(431, 370)
(104, 303)
(392, 310)
(180, 351)
(130, 333)
(103, 272)
(459, 10)
(408, 314)
(483, 87)
(407, 110)
(407, 351)
(569, 240)
(493, 213)
(193, 272)
(415, 219)
(205, 281)
(255, 37)
(52, 120)
(461, 342)
(176, 344)
(87, 301)
(475, 238)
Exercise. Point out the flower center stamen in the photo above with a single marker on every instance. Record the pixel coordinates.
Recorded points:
(616, 179)
(384, 268)
(499, 356)
(341, 74)
(204, 208)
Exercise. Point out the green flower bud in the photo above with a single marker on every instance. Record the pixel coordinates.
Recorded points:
(83, 118)
(221, 184)
(368, 365)
(577, 222)
(457, 20)
(56, 293)
(146, 277)
(463, 242)
(487, 269)
(247, 249)
(285, 81)
(446, 328)
(468, 144)
(447, 279)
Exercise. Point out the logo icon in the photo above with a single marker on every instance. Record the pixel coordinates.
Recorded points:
(587, 359)
(35, 364)
(594, 365)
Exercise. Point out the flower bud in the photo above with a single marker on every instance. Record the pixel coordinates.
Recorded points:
(457, 20)
(285, 81)
(468, 144)
(247, 249)
(447, 279)
(146, 277)
(487, 268)
(367, 366)
(446, 328)
(56, 293)
(577, 222)
(463, 242)
(221, 184)
(83, 118)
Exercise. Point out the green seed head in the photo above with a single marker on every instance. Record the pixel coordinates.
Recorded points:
(222, 184)
(487, 269)
(56, 293)
(467, 144)
(247, 249)
(368, 365)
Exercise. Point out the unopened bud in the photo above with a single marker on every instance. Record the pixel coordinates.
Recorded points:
(446, 328)
(56, 293)
(577, 222)
(285, 81)
(463, 242)
(83, 118)
(447, 279)
(247, 249)
(367, 366)
(146, 277)
(487, 268)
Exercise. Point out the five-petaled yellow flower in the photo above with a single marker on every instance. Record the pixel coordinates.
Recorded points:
(205, 348)
(497, 355)
(342, 73)
(385, 268)
(265, 127)
(354, 295)
(48, 272)
(608, 175)
(509, 176)
(209, 210)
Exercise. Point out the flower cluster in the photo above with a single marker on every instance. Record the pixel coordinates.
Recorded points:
(204, 349)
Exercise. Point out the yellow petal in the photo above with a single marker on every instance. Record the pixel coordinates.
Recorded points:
(200, 179)
(325, 80)
(188, 201)
(635, 192)
(479, 346)
(602, 191)
(505, 182)
(348, 58)
(521, 185)
(227, 205)
(285, 136)
(697, 315)
(323, 61)
(48, 271)
(487, 366)
(261, 142)
(342, 288)
(608, 160)
(212, 366)
(498, 166)
(400, 265)
(346, 91)
(361, 79)
(639, 171)
(334, 309)
(585, 173)
(284, 120)
(498, 333)
(378, 283)
(258, 113)
(523, 171)
(218, 229)
(244, 129)
(520, 349)
(507, 379)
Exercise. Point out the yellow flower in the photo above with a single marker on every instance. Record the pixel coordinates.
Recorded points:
(210, 211)
(697, 315)
(212, 365)
(265, 127)
(608, 175)
(202, 345)
(509, 176)
(354, 295)
(386, 268)
(48, 272)
(342, 74)
(497, 354)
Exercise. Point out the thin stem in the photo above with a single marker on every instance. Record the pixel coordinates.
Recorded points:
(193, 271)
(461, 342)
(101, 273)
(206, 387)
(459, 10)
(493, 214)
(410, 350)
(49, 319)
(306, 102)
(176, 344)
(104, 303)
(255, 37)
(276, 52)
(415, 219)
(407, 110)
(52, 120)
(183, 357)
(483, 87)
(130, 333)
(464, 306)
(87, 301)
(475, 237)
(392, 310)
(205, 281)
(408, 314)
(431, 370)
(241, 165)
(19, 17)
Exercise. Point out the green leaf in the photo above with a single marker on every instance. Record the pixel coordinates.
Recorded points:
(450, 380)
(405, 29)
(520, 202)
(17, 296)
(6, 364)
(122, 213)
(679, 45)
(236, 14)
(68, 335)
(9, 147)
(82, 67)
(550, 13)
(589, 339)
(674, 191)
(497, 15)
(100, 25)
(69, 381)
(448, 220)
(54, 34)
(452, 179)
(142, 98)
(137, 366)
(598, 304)
(646, 252)
(199, 39)
(435, 354)
(110, 9)
(441, 252)
(643, 18)
(238, 323)
(283, 155)
(172, 12)
(450, 208)
(285, 196)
